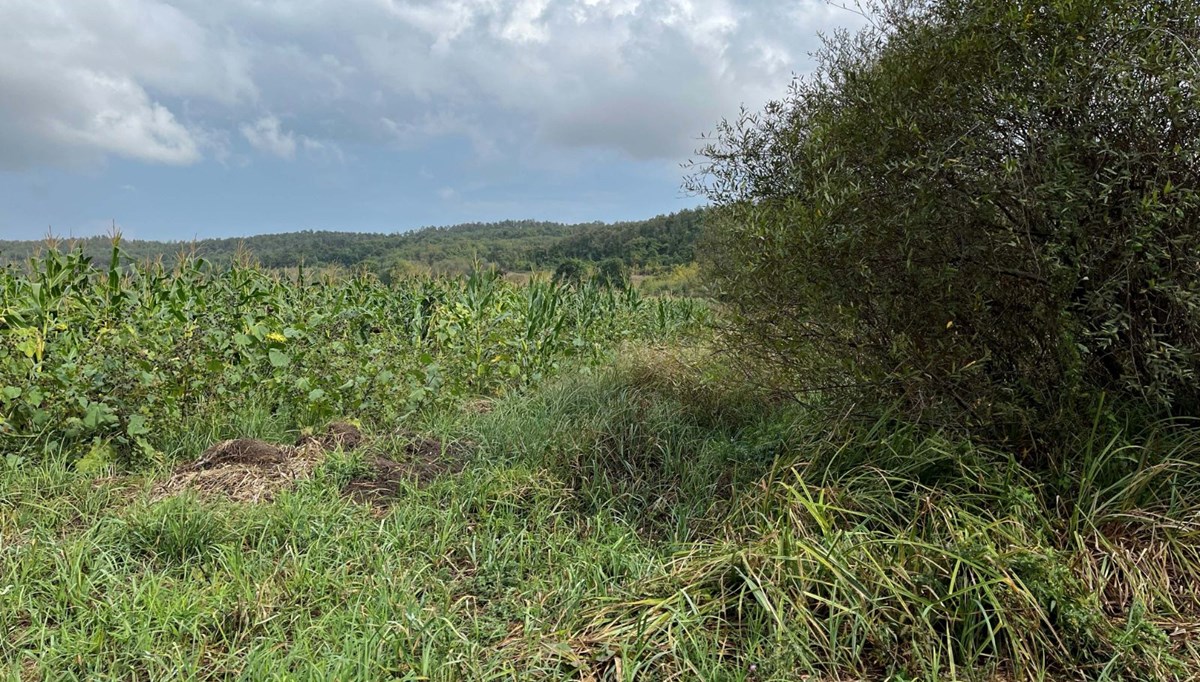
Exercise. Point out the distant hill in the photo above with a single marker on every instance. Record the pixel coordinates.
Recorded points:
(644, 245)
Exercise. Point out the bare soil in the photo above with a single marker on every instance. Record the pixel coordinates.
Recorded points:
(249, 470)
(423, 461)
(244, 451)
(337, 435)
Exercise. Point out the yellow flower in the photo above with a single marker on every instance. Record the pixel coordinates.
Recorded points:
(277, 337)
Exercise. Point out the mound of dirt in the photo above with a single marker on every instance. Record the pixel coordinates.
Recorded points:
(243, 470)
(423, 461)
(249, 470)
(245, 451)
(337, 435)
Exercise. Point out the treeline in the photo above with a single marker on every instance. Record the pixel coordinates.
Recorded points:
(514, 245)
(664, 240)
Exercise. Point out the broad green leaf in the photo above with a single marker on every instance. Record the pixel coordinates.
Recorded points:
(137, 426)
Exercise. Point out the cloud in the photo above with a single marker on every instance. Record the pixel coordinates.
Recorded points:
(81, 81)
(83, 115)
(434, 125)
(268, 137)
(641, 78)
(172, 81)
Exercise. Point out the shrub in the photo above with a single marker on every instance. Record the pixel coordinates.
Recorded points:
(984, 210)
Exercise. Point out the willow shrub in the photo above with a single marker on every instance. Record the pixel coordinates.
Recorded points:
(986, 211)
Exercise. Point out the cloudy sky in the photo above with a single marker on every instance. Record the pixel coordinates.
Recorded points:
(185, 118)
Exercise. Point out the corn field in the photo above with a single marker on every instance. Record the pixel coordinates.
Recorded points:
(98, 361)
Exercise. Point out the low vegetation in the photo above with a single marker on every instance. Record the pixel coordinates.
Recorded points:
(652, 520)
(119, 360)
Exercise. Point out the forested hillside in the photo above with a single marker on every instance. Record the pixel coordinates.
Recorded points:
(645, 245)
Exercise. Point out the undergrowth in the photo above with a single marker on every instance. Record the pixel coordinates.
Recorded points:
(654, 520)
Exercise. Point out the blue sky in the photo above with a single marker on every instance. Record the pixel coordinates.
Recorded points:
(193, 118)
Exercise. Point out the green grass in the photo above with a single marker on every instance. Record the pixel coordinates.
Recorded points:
(644, 521)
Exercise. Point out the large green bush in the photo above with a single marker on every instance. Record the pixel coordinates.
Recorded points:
(985, 210)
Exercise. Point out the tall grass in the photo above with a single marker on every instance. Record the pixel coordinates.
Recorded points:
(877, 550)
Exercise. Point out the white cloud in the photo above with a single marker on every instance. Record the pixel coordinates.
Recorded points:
(80, 116)
(267, 136)
(327, 151)
(434, 125)
(120, 119)
(524, 23)
(171, 81)
(82, 80)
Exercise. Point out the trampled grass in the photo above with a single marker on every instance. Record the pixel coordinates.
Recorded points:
(643, 521)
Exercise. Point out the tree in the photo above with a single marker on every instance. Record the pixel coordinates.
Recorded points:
(611, 273)
(982, 210)
(570, 272)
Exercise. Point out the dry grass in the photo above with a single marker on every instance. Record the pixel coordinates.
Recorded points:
(248, 470)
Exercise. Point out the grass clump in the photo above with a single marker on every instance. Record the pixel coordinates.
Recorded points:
(175, 530)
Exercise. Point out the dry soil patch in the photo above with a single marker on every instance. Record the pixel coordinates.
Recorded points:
(422, 461)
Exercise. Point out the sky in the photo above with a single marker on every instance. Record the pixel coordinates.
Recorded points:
(182, 119)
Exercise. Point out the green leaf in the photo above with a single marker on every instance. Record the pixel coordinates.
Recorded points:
(137, 426)
(279, 358)
(148, 450)
(315, 395)
(28, 347)
(11, 392)
(99, 457)
(98, 414)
